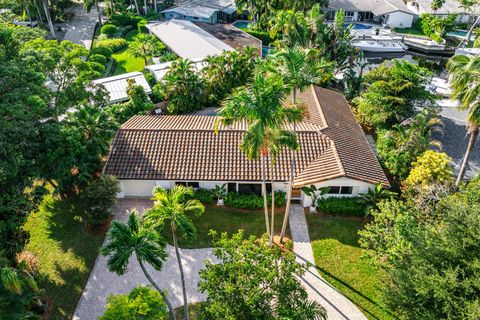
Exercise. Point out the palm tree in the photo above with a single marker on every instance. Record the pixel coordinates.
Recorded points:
(46, 8)
(260, 105)
(374, 196)
(143, 46)
(96, 126)
(171, 208)
(134, 238)
(464, 74)
(298, 70)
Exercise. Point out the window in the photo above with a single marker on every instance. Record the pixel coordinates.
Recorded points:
(246, 188)
(180, 183)
(341, 190)
(194, 185)
(232, 187)
(349, 13)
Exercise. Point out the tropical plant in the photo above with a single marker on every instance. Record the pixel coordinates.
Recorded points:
(299, 69)
(314, 193)
(145, 46)
(182, 87)
(374, 196)
(171, 209)
(133, 237)
(260, 105)
(109, 30)
(265, 284)
(430, 170)
(220, 191)
(142, 303)
(464, 73)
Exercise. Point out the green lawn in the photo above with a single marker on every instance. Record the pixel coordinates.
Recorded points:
(66, 252)
(338, 259)
(229, 220)
(412, 31)
(125, 62)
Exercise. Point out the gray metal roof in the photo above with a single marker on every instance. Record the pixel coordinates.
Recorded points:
(116, 86)
(450, 6)
(378, 7)
(202, 8)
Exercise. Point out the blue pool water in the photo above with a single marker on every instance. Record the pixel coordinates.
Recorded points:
(358, 26)
(241, 24)
(457, 33)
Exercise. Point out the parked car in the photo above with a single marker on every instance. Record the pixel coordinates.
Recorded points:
(32, 23)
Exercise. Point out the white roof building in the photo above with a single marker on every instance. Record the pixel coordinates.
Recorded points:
(188, 40)
(201, 10)
(160, 70)
(449, 7)
(117, 86)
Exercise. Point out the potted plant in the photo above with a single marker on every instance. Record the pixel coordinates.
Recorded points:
(220, 191)
(314, 193)
(377, 31)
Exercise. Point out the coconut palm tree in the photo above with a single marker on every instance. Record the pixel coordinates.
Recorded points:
(464, 74)
(144, 46)
(171, 209)
(298, 70)
(126, 239)
(260, 105)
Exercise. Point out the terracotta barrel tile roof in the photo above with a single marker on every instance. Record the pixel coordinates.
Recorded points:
(185, 147)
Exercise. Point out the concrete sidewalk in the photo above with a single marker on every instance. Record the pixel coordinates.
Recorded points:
(336, 304)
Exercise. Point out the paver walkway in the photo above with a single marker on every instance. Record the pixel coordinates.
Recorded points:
(336, 304)
(102, 282)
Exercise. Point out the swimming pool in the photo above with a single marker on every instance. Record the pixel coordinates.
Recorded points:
(358, 26)
(241, 24)
(457, 33)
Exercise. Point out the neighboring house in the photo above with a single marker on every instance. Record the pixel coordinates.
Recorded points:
(391, 13)
(420, 7)
(117, 86)
(160, 70)
(210, 11)
(151, 151)
(188, 40)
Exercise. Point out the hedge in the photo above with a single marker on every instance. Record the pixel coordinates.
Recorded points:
(104, 51)
(204, 196)
(261, 35)
(122, 19)
(348, 206)
(252, 201)
(115, 44)
(142, 26)
(99, 58)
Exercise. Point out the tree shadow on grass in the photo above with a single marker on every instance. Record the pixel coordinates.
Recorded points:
(343, 229)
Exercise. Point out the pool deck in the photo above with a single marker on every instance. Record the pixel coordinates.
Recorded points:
(232, 36)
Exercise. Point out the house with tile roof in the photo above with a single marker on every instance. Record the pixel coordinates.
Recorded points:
(465, 15)
(166, 150)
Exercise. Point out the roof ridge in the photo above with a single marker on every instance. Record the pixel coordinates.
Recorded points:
(320, 109)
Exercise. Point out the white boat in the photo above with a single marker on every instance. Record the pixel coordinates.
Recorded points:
(379, 46)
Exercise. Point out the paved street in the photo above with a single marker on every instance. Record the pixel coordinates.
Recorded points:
(81, 28)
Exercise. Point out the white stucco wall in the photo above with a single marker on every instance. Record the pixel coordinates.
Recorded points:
(358, 187)
(399, 19)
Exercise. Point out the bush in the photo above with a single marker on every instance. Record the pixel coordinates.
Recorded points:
(122, 19)
(252, 201)
(96, 66)
(142, 26)
(104, 51)
(140, 303)
(350, 206)
(98, 199)
(98, 58)
(109, 30)
(261, 35)
(115, 44)
(134, 20)
(204, 196)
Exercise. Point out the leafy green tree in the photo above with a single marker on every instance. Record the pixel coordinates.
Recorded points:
(260, 104)
(133, 237)
(436, 26)
(171, 209)
(141, 303)
(254, 281)
(138, 104)
(145, 46)
(429, 170)
(393, 91)
(225, 72)
(182, 87)
(429, 254)
(464, 72)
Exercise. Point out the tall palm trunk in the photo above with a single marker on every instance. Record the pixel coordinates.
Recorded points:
(182, 276)
(27, 9)
(471, 144)
(164, 296)
(264, 192)
(145, 8)
(272, 227)
(155, 6)
(470, 31)
(39, 14)
(99, 13)
(136, 7)
(292, 176)
(49, 18)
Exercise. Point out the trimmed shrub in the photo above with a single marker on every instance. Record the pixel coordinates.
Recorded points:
(122, 19)
(134, 20)
(204, 196)
(142, 26)
(96, 66)
(104, 51)
(98, 199)
(348, 206)
(261, 35)
(98, 58)
(115, 44)
(252, 201)
(109, 29)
